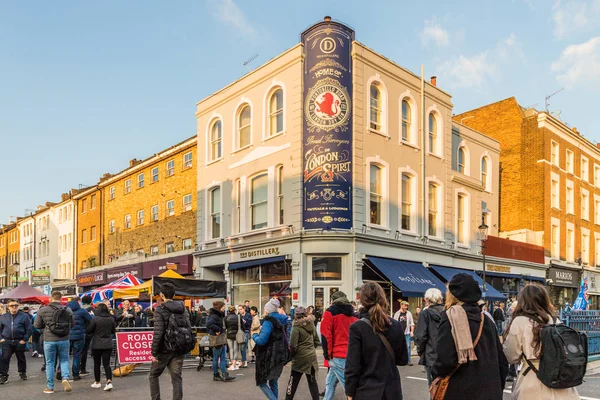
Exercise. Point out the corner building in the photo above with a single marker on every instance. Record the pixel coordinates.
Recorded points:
(330, 165)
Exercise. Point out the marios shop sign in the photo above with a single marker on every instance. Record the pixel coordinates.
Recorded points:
(564, 277)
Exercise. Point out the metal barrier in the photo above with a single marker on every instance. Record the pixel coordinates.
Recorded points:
(588, 322)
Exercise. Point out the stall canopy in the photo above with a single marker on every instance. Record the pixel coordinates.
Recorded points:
(512, 276)
(411, 278)
(144, 288)
(106, 291)
(192, 287)
(26, 294)
(447, 273)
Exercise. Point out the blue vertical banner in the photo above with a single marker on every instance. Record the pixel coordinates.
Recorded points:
(581, 302)
(327, 126)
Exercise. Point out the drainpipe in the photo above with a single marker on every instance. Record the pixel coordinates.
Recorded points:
(423, 156)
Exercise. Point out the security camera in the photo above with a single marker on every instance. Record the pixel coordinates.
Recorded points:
(549, 281)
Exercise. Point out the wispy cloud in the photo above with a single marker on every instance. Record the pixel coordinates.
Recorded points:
(573, 16)
(434, 33)
(579, 63)
(227, 12)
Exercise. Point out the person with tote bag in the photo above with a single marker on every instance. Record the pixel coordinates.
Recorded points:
(218, 341)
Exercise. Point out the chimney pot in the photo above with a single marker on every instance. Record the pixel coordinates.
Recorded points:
(434, 80)
(327, 18)
(132, 162)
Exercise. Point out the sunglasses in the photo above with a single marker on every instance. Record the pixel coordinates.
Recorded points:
(13, 305)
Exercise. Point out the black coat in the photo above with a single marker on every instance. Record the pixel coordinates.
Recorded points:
(370, 371)
(272, 357)
(161, 322)
(215, 323)
(482, 379)
(231, 322)
(102, 328)
(141, 320)
(123, 321)
(426, 334)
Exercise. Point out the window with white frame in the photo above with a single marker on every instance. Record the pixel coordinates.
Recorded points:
(570, 244)
(375, 101)
(186, 244)
(187, 202)
(187, 160)
(128, 186)
(244, 126)
(407, 202)
(554, 193)
(216, 140)
(406, 121)
(111, 226)
(276, 112)
(140, 179)
(570, 200)
(569, 161)
(83, 235)
(432, 219)
(154, 211)
(259, 201)
(597, 252)
(597, 175)
(585, 168)
(555, 241)
(127, 221)
(585, 204)
(433, 133)
(170, 167)
(170, 247)
(461, 222)
(238, 206)
(112, 193)
(485, 174)
(596, 210)
(140, 217)
(462, 160)
(154, 174)
(376, 194)
(154, 250)
(280, 195)
(585, 246)
(554, 153)
(83, 206)
(170, 208)
(93, 233)
(93, 201)
(215, 213)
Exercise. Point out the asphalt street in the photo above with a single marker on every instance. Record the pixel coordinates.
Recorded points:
(199, 384)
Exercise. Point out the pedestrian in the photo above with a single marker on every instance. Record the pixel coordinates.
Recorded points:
(512, 368)
(125, 315)
(215, 325)
(247, 306)
(335, 328)
(523, 339)
(102, 328)
(165, 353)
(477, 368)
(303, 343)
(426, 330)
(407, 321)
(232, 324)
(15, 330)
(376, 345)
(36, 340)
(2, 309)
(56, 322)
(254, 329)
(106, 302)
(149, 316)
(86, 304)
(246, 323)
(141, 318)
(77, 335)
(271, 349)
(499, 317)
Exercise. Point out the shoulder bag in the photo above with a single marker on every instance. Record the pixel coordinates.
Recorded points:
(220, 339)
(240, 336)
(386, 342)
(439, 386)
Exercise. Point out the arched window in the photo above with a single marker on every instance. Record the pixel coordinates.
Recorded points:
(462, 160)
(259, 196)
(215, 213)
(216, 140)
(484, 173)
(433, 133)
(244, 126)
(375, 111)
(406, 121)
(276, 112)
(376, 190)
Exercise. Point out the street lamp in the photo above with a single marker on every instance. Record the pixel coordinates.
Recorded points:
(483, 235)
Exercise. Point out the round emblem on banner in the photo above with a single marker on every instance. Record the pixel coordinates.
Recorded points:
(327, 45)
(327, 106)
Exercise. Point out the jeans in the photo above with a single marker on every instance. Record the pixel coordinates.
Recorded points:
(219, 353)
(499, 327)
(84, 352)
(336, 373)
(102, 356)
(52, 350)
(77, 346)
(407, 336)
(244, 348)
(233, 350)
(270, 389)
(8, 348)
(295, 377)
(175, 365)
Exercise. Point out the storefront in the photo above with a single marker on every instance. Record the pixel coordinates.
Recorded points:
(66, 288)
(91, 280)
(564, 285)
(508, 280)
(183, 265)
(593, 281)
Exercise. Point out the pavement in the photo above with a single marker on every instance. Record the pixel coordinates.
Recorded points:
(199, 384)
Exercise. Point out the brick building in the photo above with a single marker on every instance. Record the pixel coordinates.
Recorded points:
(3, 256)
(13, 253)
(550, 190)
(89, 228)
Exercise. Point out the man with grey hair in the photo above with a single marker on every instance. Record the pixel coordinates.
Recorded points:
(427, 327)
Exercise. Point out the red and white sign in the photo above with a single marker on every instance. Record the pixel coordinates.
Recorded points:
(134, 347)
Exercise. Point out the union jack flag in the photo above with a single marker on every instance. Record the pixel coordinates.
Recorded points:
(106, 291)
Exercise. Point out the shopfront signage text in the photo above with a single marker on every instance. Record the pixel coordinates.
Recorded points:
(498, 268)
(564, 278)
(271, 251)
(91, 279)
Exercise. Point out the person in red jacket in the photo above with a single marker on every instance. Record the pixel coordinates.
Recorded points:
(335, 327)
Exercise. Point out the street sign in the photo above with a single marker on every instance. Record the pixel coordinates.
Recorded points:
(40, 277)
(134, 347)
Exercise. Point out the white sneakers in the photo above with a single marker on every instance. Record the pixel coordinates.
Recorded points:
(96, 385)
(108, 387)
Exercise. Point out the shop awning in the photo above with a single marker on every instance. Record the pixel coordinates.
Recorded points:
(254, 263)
(411, 278)
(448, 273)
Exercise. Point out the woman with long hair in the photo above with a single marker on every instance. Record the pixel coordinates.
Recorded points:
(376, 345)
(477, 368)
(102, 328)
(523, 338)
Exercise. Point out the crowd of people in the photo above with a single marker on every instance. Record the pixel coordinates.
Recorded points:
(456, 339)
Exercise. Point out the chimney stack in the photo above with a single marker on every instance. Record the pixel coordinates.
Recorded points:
(327, 18)
(434, 80)
(132, 162)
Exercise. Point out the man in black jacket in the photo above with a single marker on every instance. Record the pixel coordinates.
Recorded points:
(161, 358)
(86, 304)
(15, 330)
(427, 327)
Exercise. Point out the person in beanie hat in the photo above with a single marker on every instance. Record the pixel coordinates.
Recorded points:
(271, 349)
(335, 327)
(482, 366)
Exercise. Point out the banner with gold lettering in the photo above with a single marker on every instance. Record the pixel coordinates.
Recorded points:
(327, 129)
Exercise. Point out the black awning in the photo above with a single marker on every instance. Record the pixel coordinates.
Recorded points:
(254, 263)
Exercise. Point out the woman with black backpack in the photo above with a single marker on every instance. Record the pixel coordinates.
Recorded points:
(534, 310)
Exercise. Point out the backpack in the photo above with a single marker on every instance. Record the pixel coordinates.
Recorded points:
(60, 324)
(179, 338)
(564, 356)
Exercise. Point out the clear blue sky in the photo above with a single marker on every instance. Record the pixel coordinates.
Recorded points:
(85, 86)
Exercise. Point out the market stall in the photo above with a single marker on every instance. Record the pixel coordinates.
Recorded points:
(25, 293)
(107, 291)
(143, 290)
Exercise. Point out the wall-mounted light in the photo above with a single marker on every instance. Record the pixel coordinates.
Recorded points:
(364, 228)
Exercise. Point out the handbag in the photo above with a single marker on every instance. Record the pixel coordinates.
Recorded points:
(439, 386)
(240, 336)
(218, 340)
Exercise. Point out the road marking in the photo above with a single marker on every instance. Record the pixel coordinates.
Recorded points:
(416, 379)
(581, 397)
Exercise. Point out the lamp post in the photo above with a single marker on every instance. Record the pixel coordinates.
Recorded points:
(483, 234)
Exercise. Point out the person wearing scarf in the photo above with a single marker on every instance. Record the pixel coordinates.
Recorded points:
(482, 369)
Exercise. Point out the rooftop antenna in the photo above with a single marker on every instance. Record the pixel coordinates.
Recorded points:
(547, 99)
(248, 61)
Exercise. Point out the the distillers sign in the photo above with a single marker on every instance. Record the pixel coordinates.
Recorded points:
(327, 137)
(564, 277)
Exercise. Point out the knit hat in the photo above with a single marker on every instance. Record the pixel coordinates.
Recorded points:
(339, 297)
(465, 288)
(300, 312)
(272, 306)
